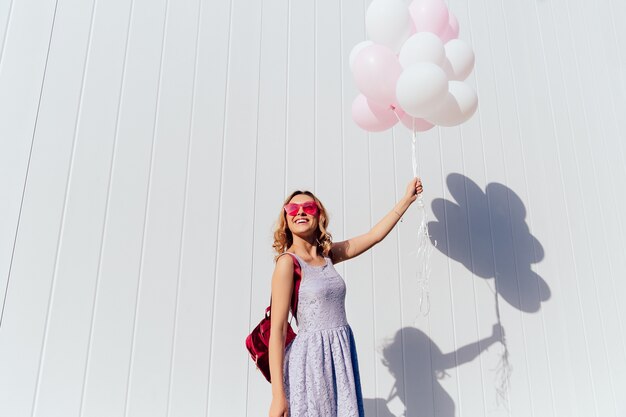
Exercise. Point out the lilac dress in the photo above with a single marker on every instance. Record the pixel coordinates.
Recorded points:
(321, 372)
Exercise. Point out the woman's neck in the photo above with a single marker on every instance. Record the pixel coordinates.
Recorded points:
(302, 247)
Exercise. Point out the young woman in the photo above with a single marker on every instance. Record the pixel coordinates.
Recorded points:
(317, 375)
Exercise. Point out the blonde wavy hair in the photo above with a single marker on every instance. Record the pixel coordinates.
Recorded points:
(283, 238)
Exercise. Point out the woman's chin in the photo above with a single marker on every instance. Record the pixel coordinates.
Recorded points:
(306, 234)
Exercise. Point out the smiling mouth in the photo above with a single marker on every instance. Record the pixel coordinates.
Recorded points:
(301, 221)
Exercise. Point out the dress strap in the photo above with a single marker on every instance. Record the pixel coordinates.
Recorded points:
(289, 253)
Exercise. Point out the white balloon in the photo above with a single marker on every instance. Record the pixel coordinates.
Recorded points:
(422, 47)
(388, 23)
(356, 49)
(459, 61)
(458, 106)
(421, 88)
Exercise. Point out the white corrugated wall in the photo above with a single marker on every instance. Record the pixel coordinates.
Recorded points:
(145, 150)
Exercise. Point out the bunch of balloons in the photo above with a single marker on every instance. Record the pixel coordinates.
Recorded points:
(412, 69)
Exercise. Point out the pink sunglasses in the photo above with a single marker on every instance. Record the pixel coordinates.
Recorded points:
(309, 207)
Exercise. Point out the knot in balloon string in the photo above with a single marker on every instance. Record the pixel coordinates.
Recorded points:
(423, 253)
(503, 377)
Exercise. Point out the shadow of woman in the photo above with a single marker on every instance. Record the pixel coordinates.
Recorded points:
(417, 373)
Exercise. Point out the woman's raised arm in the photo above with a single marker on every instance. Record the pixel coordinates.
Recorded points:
(348, 249)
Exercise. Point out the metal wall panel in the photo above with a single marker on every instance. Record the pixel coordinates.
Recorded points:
(25, 33)
(146, 148)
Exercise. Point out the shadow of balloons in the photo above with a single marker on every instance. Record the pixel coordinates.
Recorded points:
(488, 234)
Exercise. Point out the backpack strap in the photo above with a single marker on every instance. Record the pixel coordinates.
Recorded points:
(297, 277)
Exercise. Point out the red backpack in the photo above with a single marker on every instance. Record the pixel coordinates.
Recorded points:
(258, 341)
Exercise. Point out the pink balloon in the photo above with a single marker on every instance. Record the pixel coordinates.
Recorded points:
(429, 15)
(451, 31)
(420, 125)
(376, 69)
(373, 117)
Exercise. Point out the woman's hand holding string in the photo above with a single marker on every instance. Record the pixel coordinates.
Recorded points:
(413, 189)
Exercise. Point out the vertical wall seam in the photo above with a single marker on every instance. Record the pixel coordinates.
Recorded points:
(602, 220)
(219, 210)
(623, 85)
(254, 191)
(343, 131)
(6, 32)
(512, 234)
(315, 100)
(617, 49)
(30, 154)
(428, 324)
(593, 165)
(603, 150)
(575, 266)
(489, 214)
(621, 73)
(615, 119)
(469, 221)
(531, 222)
(530, 211)
(369, 177)
(371, 256)
(106, 211)
(451, 295)
(471, 253)
(64, 210)
(398, 263)
(184, 213)
(558, 154)
(420, 174)
(287, 112)
(146, 211)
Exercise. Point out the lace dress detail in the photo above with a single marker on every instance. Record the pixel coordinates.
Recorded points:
(321, 373)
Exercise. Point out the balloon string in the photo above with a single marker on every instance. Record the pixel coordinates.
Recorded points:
(424, 245)
(504, 368)
(413, 141)
(413, 157)
(413, 152)
(420, 202)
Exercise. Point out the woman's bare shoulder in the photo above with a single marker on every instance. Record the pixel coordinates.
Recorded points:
(284, 263)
